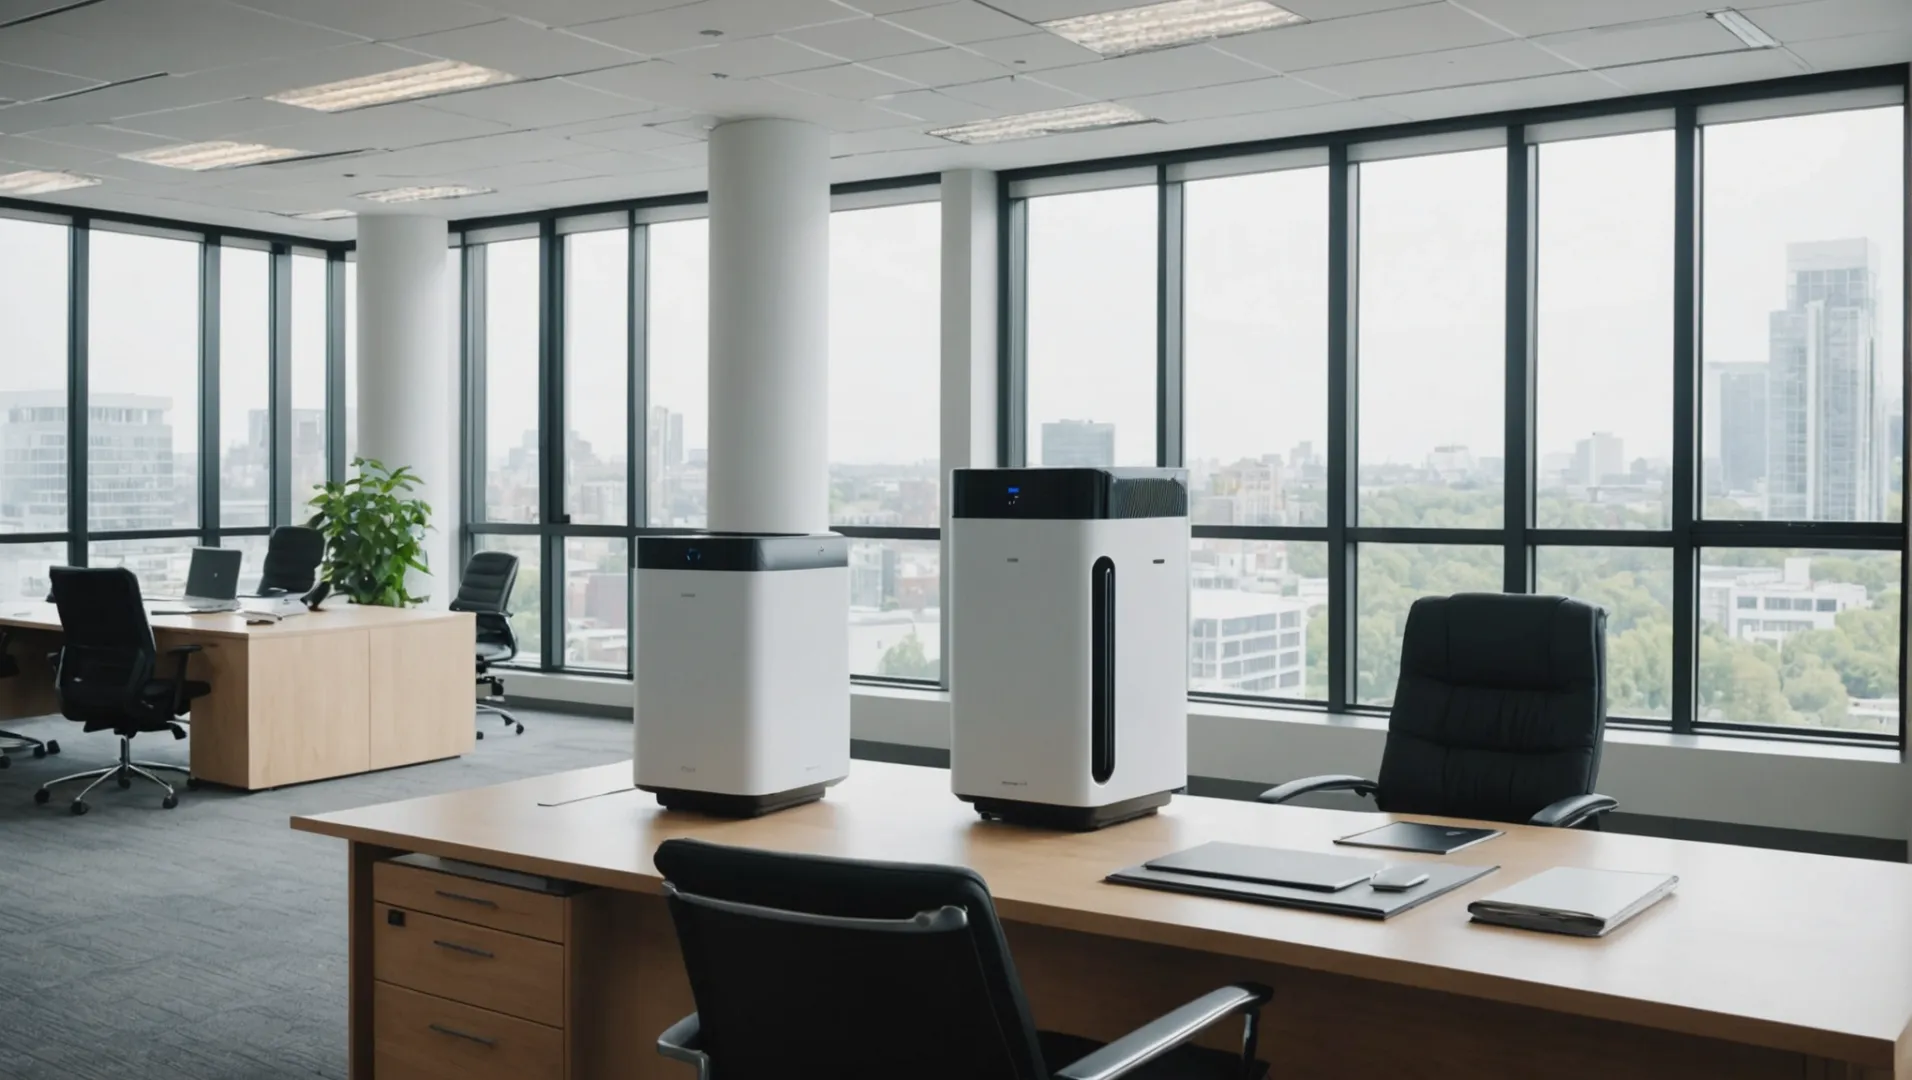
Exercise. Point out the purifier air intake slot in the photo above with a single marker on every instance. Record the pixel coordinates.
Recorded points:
(1102, 670)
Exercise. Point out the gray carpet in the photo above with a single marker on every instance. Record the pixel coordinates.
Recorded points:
(205, 942)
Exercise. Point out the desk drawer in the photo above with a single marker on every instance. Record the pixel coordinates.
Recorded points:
(521, 911)
(507, 973)
(419, 1037)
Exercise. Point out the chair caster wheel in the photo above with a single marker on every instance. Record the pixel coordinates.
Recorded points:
(169, 802)
(521, 729)
(41, 796)
(53, 746)
(481, 734)
(79, 808)
(124, 782)
(192, 783)
(39, 752)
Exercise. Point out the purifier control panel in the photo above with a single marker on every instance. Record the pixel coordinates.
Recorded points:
(1070, 494)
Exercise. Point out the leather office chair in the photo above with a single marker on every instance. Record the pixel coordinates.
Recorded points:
(292, 561)
(106, 676)
(485, 590)
(899, 970)
(1499, 713)
(10, 669)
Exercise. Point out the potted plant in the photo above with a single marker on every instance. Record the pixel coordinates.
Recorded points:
(374, 533)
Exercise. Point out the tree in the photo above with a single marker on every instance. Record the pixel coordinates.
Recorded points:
(905, 660)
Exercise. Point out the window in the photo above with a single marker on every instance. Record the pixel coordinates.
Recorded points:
(1090, 308)
(350, 404)
(23, 569)
(597, 603)
(1635, 586)
(677, 433)
(511, 490)
(527, 595)
(597, 383)
(1391, 577)
(33, 389)
(1432, 303)
(245, 380)
(161, 564)
(308, 380)
(1239, 591)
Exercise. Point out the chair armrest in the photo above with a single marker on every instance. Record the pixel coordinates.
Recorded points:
(1281, 793)
(1159, 1036)
(684, 1041)
(1573, 810)
(179, 676)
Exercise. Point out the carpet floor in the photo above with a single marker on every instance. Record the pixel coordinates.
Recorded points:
(205, 942)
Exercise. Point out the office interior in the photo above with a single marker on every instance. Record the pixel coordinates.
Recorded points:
(1521, 387)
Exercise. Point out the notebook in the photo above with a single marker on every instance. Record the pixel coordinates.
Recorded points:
(1362, 901)
(1269, 866)
(1570, 900)
(1415, 836)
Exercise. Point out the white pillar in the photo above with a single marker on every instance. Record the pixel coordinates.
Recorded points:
(407, 375)
(769, 326)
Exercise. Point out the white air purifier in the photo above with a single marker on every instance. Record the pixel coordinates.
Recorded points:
(742, 667)
(1068, 596)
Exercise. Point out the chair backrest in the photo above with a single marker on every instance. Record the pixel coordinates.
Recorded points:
(293, 556)
(812, 966)
(487, 582)
(1500, 709)
(107, 652)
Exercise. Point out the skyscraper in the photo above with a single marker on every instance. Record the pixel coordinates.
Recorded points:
(1077, 442)
(1742, 426)
(1598, 458)
(1826, 446)
(131, 480)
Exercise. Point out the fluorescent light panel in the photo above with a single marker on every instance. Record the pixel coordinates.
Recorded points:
(325, 215)
(1744, 29)
(1037, 124)
(43, 182)
(201, 156)
(424, 80)
(422, 194)
(1162, 26)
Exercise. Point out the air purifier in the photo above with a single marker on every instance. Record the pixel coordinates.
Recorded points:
(742, 670)
(1068, 598)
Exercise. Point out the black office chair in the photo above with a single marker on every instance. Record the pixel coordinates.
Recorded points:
(1499, 714)
(485, 590)
(10, 669)
(293, 556)
(105, 678)
(811, 966)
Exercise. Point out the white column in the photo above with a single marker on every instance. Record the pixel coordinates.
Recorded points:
(407, 374)
(769, 326)
(969, 340)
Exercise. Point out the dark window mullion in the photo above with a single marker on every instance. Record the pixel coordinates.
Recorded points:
(279, 382)
(1518, 452)
(1012, 382)
(78, 292)
(1343, 223)
(209, 435)
(1169, 252)
(1687, 238)
(471, 298)
(637, 498)
(552, 380)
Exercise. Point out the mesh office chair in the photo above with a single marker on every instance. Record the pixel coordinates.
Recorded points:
(105, 679)
(485, 591)
(10, 669)
(292, 561)
(1499, 714)
(812, 966)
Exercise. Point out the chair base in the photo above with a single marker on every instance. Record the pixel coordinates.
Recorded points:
(717, 804)
(1068, 818)
(493, 710)
(40, 748)
(124, 773)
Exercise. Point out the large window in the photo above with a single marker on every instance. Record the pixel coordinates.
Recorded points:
(677, 325)
(510, 376)
(309, 428)
(33, 389)
(245, 387)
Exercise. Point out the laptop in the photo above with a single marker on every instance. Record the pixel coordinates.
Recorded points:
(212, 583)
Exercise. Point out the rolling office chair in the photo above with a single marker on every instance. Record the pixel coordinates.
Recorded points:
(1499, 714)
(901, 969)
(10, 669)
(485, 590)
(292, 561)
(105, 679)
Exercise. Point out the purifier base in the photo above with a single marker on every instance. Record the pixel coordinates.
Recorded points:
(717, 804)
(1070, 818)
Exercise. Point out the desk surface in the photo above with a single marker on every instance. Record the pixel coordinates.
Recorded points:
(40, 615)
(1796, 952)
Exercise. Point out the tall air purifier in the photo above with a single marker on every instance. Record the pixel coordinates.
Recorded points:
(1068, 597)
(742, 668)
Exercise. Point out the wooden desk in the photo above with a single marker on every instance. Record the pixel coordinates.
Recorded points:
(1764, 964)
(335, 692)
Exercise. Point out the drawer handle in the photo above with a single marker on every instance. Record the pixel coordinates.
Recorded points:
(466, 1035)
(479, 900)
(468, 949)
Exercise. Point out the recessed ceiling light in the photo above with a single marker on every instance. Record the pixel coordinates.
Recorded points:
(212, 155)
(43, 182)
(1177, 22)
(1037, 124)
(421, 194)
(324, 215)
(1744, 29)
(425, 80)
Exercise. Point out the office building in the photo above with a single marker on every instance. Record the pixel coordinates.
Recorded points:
(1742, 426)
(133, 473)
(1068, 443)
(1247, 643)
(1599, 459)
(1770, 604)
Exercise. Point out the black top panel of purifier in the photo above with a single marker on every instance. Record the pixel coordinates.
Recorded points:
(742, 551)
(1070, 494)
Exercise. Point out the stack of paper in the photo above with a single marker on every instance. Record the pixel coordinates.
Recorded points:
(1568, 900)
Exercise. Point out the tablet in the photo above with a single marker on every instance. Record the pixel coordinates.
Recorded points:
(1415, 836)
(1269, 866)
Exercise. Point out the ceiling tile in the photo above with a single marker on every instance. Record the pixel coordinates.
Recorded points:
(960, 22)
(181, 36)
(853, 82)
(1155, 72)
(33, 45)
(109, 140)
(30, 84)
(525, 173)
(882, 142)
(1015, 95)
(614, 163)
(635, 138)
(1234, 99)
(861, 39)
(380, 20)
(1531, 17)
(1637, 43)
(1042, 10)
(198, 123)
(1035, 52)
(535, 104)
(941, 67)
(1422, 28)
(935, 107)
(677, 28)
(1320, 10)
(46, 155)
(15, 10)
(1531, 93)
(573, 12)
(884, 7)
(1715, 70)
(1820, 19)
(385, 127)
(1826, 54)
(1427, 71)
(752, 58)
(518, 47)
